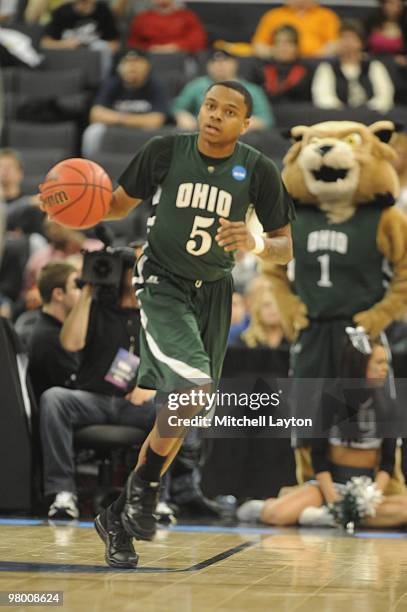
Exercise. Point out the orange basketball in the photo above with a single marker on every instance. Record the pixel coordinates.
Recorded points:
(76, 193)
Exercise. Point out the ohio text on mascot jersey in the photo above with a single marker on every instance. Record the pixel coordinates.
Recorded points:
(350, 243)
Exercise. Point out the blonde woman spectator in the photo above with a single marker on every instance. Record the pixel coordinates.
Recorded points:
(265, 329)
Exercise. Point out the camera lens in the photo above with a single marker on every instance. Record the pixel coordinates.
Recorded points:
(102, 268)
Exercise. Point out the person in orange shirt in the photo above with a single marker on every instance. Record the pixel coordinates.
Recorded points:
(317, 27)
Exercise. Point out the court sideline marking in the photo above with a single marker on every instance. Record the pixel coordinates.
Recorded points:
(26, 566)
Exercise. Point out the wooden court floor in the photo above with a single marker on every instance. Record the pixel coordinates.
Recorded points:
(200, 569)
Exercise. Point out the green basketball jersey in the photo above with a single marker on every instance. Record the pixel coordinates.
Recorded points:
(190, 193)
(338, 268)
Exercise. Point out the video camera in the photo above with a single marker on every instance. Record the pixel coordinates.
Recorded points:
(104, 269)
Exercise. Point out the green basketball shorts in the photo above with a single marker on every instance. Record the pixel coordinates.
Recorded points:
(318, 351)
(185, 327)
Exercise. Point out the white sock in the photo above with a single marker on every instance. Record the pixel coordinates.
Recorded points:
(250, 511)
(316, 517)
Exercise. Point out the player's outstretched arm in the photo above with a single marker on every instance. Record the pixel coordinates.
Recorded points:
(121, 204)
(276, 246)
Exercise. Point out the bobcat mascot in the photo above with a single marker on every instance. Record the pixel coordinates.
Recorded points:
(347, 232)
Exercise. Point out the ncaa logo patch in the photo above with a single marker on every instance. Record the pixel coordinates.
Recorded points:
(239, 173)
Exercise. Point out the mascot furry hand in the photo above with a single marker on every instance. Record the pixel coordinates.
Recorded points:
(344, 186)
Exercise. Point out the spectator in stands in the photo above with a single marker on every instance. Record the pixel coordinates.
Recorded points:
(317, 28)
(15, 254)
(49, 365)
(40, 11)
(386, 29)
(11, 175)
(130, 98)
(221, 66)
(265, 329)
(126, 9)
(167, 28)
(352, 80)
(8, 10)
(285, 77)
(245, 270)
(240, 317)
(399, 144)
(81, 23)
(104, 327)
(23, 223)
(63, 242)
(21, 215)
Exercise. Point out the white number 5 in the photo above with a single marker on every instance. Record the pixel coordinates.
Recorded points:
(197, 231)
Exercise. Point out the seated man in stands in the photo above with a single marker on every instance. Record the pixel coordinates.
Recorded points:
(352, 80)
(130, 98)
(167, 28)
(317, 28)
(21, 219)
(104, 325)
(81, 23)
(221, 66)
(49, 364)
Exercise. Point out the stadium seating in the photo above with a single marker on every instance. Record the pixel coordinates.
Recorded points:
(113, 163)
(34, 30)
(270, 142)
(288, 115)
(38, 162)
(45, 84)
(162, 63)
(41, 146)
(86, 60)
(25, 135)
(123, 140)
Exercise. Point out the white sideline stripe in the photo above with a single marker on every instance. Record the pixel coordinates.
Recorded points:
(157, 196)
(138, 280)
(177, 366)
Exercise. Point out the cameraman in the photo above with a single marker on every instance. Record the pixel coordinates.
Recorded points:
(104, 325)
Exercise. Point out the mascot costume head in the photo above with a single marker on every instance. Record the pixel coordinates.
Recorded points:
(338, 166)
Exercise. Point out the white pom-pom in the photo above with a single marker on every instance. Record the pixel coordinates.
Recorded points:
(366, 494)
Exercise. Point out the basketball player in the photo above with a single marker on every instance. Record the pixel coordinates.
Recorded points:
(201, 186)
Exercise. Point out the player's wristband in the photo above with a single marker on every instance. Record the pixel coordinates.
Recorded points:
(259, 246)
